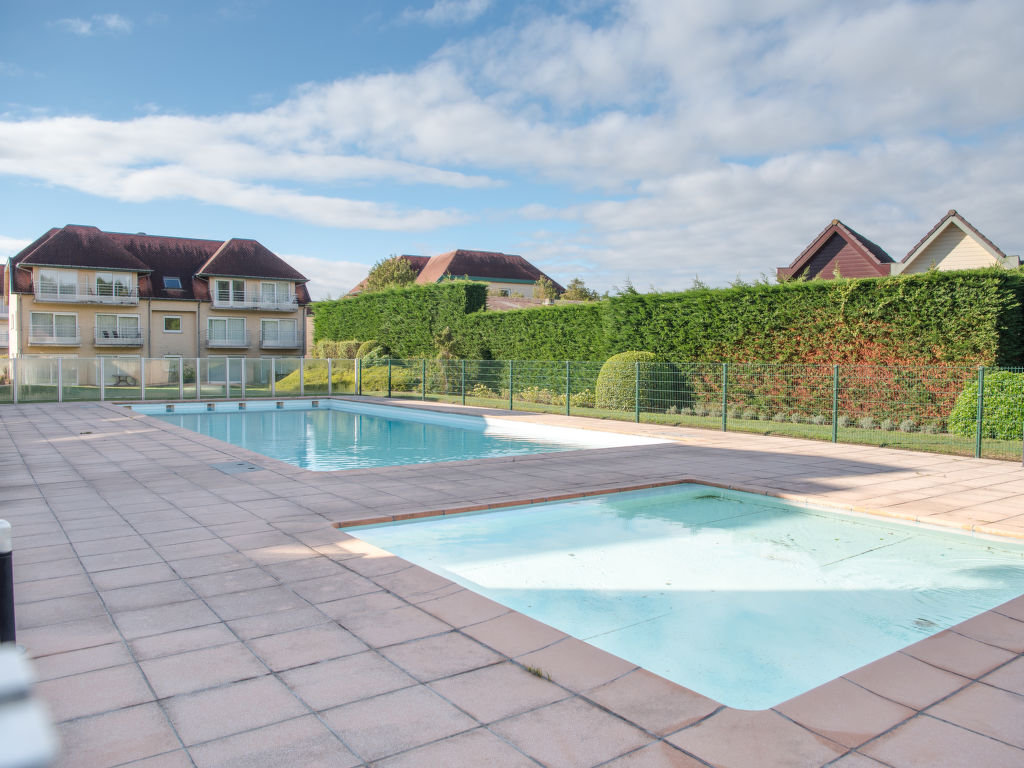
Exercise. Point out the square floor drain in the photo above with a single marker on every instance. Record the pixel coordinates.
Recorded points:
(235, 467)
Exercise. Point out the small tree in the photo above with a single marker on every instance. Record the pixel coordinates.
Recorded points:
(390, 273)
(545, 289)
(578, 291)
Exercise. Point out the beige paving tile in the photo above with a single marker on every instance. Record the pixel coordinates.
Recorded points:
(274, 623)
(90, 693)
(994, 629)
(577, 665)
(372, 730)
(907, 680)
(844, 712)
(303, 570)
(130, 577)
(395, 626)
(958, 654)
(254, 602)
(925, 742)
(84, 660)
(1012, 608)
(204, 566)
(179, 641)
(73, 635)
(303, 742)
(372, 602)
(164, 618)
(46, 589)
(179, 758)
(439, 656)
(651, 702)
(472, 749)
(463, 608)
(514, 634)
(197, 670)
(982, 708)
(332, 683)
(570, 734)
(855, 760)
(218, 712)
(147, 596)
(232, 581)
(299, 647)
(736, 738)
(1009, 677)
(520, 691)
(58, 610)
(335, 586)
(142, 731)
(655, 755)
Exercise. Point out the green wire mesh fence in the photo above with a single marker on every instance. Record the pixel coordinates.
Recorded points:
(958, 410)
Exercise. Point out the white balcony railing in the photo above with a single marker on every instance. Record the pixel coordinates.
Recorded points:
(113, 337)
(236, 340)
(3, 338)
(85, 293)
(260, 301)
(53, 337)
(3, 309)
(279, 340)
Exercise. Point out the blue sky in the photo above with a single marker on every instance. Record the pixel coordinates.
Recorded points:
(648, 140)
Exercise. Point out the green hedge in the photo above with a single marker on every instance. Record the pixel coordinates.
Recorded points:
(1003, 415)
(660, 385)
(556, 332)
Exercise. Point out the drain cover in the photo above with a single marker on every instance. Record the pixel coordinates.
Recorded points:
(235, 467)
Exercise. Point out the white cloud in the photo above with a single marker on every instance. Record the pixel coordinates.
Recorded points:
(11, 245)
(100, 22)
(326, 277)
(447, 12)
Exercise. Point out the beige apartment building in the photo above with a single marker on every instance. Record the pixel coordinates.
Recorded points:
(82, 293)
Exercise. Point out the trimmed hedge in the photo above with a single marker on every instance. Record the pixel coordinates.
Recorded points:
(660, 385)
(1003, 415)
(556, 332)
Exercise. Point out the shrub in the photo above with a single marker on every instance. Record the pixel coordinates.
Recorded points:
(780, 416)
(751, 415)
(796, 418)
(866, 422)
(368, 346)
(672, 410)
(818, 420)
(661, 384)
(931, 428)
(843, 421)
(908, 425)
(888, 425)
(700, 409)
(328, 348)
(1004, 407)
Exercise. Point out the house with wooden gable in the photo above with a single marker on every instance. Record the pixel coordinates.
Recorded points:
(505, 274)
(838, 251)
(954, 243)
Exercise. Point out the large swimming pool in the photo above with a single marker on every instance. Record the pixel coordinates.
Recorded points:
(745, 599)
(324, 435)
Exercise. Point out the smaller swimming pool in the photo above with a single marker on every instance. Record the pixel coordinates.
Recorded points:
(326, 434)
(746, 599)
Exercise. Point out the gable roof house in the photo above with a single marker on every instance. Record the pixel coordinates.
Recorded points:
(839, 246)
(504, 273)
(80, 292)
(954, 243)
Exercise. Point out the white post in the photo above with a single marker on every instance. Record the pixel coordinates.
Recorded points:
(302, 376)
(14, 378)
(142, 378)
(60, 380)
(227, 377)
(273, 377)
(181, 378)
(243, 378)
(199, 379)
(329, 388)
(103, 380)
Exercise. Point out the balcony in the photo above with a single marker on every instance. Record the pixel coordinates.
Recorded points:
(3, 309)
(229, 340)
(280, 340)
(54, 338)
(258, 301)
(85, 293)
(3, 339)
(114, 337)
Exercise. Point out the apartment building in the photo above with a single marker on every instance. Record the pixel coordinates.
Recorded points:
(81, 292)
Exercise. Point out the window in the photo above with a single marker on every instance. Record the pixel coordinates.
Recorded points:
(172, 283)
(230, 329)
(117, 327)
(230, 291)
(278, 332)
(113, 284)
(53, 326)
(58, 282)
(172, 323)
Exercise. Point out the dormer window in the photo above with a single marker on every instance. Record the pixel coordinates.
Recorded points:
(172, 283)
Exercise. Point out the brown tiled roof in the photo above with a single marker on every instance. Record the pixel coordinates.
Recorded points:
(155, 258)
(952, 214)
(486, 265)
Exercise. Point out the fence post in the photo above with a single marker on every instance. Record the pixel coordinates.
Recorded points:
(636, 391)
(359, 376)
(243, 378)
(273, 377)
(389, 377)
(981, 411)
(6, 584)
(330, 387)
(60, 380)
(14, 379)
(199, 377)
(423, 379)
(835, 403)
(725, 396)
(463, 382)
(227, 378)
(302, 377)
(511, 405)
(181, 378)
(103, 383)
(568, 390)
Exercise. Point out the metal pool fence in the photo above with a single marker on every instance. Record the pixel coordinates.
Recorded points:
(958, 410)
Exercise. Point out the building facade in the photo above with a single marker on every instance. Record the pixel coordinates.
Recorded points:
(80, 292)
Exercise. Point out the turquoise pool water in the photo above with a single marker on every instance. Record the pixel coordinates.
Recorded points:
(335, 434)
(745, 599)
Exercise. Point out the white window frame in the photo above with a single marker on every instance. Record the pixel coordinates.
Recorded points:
(227, 321)
(233, 296)
(53, 323)
(65, 281)
(117, 321)
(172, 317)
(121, 283)
(169, 287)
(264, 321)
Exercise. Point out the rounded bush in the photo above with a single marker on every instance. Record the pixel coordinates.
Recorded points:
(908, 425)
(1004, 407)
(887, 425)
(367, 347)
(661, 384)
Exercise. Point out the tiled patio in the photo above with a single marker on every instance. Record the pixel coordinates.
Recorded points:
(181, 616)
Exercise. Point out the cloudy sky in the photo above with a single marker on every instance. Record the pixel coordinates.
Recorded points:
(642, 140)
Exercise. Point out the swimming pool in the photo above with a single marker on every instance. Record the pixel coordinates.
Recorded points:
(746, 599)
(325, 435)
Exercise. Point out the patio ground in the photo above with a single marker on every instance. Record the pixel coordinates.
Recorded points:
(179, 615)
